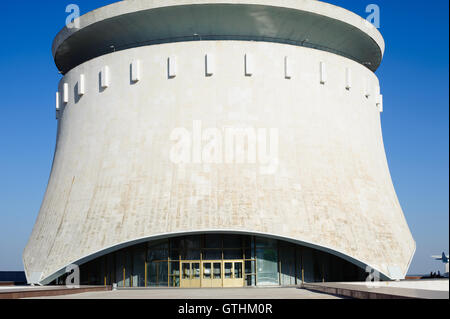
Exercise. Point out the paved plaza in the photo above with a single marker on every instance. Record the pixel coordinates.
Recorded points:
(220, 293)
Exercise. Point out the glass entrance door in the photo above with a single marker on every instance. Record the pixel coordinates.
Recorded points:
(190, 274)
(233, 273)
(211, 274)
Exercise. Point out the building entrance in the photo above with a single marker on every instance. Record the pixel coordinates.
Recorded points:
(212, 274)
(215, 261)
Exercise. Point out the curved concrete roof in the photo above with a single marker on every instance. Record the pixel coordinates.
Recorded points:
(134, 23)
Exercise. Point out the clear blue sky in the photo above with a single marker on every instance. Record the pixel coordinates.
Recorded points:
(414, 77)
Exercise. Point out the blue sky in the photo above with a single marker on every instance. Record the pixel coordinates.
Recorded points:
(414, 77)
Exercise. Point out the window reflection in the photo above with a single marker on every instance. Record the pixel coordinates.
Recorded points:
(207, 270)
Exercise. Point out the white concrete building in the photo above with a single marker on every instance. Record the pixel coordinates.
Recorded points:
(149, 186)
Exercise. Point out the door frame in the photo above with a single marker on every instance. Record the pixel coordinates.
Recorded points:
(236, 277)
(234, 281)
(211, 282)
(192, 281)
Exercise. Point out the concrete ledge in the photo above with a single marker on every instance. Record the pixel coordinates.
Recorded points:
(363, 292)
(31, 292)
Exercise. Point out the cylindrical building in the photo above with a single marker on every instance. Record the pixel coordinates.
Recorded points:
(212, 143)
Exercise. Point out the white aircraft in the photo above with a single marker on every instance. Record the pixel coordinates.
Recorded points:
(444, 259)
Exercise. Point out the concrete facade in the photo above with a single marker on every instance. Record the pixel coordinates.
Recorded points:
(113, 181)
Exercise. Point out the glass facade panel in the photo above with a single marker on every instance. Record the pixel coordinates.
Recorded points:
(317, 266)
(232, 241)
(94, 272)
(238, 270)
(119, 261)
(174, 274)
(193, 242)
(326, 267)
(174, 254)
(175, 243)
(207, 271)
(195, 270)
(232, 254)
(174, 281)
(288, 264)
(163, 274)
(265, 243)
(102, 277)
(212, 254)
(250, 267)
(110, 275)
(250, 280)
(213, 241)
(267, 262)
(139, 266)
(175, 268)
(217, 270)
(247, 241)
(228, 267)
(258, 261)
(128, 267)
(299, 265)
(186, 271)
(158, 252)
(249, 253)
(190, 255)
(152, 274)
(83, 274)
(307, 264)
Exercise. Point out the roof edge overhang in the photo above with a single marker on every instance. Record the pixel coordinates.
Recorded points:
(360, 263)
(135, 23)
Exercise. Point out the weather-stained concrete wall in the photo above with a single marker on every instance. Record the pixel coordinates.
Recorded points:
(116, 177)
